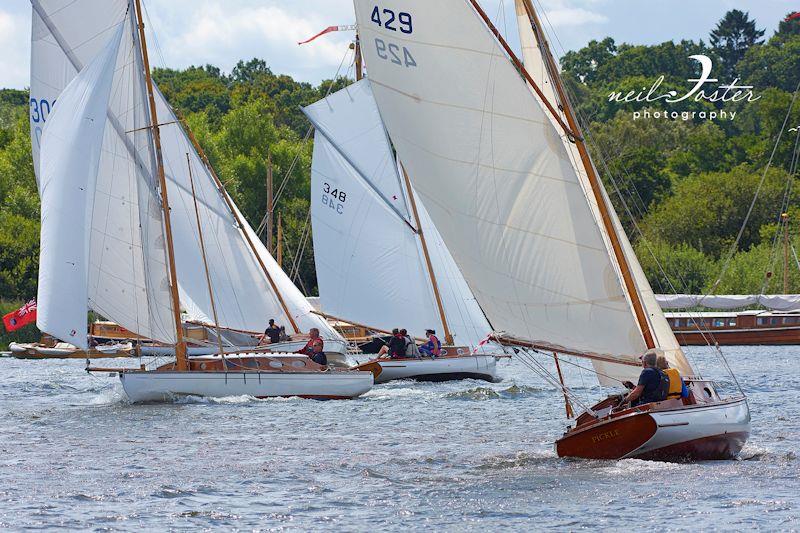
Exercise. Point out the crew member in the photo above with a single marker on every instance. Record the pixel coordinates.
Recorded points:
(433, 347)
(649, 388)
(677, 389)
(317, 354)
(273, 332)
(313, 335)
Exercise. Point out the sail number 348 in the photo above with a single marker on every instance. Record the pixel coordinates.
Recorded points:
(402, 22)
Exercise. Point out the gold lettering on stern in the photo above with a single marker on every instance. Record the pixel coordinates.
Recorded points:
(605, 435)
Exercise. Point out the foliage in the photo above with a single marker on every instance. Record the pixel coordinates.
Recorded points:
(732, 37)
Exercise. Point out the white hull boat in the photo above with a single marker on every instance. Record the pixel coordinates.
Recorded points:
(442, 368)
(672, 430)
(336, 350)
(257, 375)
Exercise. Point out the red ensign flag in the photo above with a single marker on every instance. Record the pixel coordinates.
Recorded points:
(792, 16)
(21, 317)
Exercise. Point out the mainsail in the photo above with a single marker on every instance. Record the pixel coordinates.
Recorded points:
(128, 247)
(68, 186)
(127, 272)
(370, 265)
(495, 175)
(533, 58)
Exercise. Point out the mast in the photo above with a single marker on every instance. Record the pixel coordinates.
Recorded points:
(203, 253)
(359, 64)
(240, 223)
(270, 207)
(594, 180)
(181, 360)
(448, 337)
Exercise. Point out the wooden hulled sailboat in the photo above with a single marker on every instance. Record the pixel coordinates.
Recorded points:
(380, 260)
(495, 153)
(130, 208)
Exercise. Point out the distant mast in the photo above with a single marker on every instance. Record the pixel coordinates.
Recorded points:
(181, 360)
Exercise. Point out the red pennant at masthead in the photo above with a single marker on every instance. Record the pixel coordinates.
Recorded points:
(21, 317)
(329, 29)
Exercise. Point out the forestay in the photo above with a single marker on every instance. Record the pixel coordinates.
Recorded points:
(71, 145)
(370, 266)
(495, 178)
(127, 279)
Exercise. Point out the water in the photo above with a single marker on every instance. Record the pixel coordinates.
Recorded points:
(456, 456)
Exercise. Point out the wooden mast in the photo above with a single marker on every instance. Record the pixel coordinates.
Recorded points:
(567, 404)
(359, 63)
(239, 221)
(181, 359)
(594, 180)
(448, 337)
(270, 207)
(205, 262)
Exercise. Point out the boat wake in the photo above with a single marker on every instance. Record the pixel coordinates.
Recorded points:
(488, 393)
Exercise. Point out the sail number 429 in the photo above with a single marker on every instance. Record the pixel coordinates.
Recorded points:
(388, 51)
(392, 21)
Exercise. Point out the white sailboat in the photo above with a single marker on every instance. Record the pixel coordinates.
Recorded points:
(130, 207)
(380, 260)
(497, 157)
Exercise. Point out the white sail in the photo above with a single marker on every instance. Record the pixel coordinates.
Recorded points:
(243, 296)
(496, 179)
(128, 280)
(70, 150)
(370, 264)
(129, 284)
(533, 59)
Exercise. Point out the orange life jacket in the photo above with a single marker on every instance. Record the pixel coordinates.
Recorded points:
(675, 383)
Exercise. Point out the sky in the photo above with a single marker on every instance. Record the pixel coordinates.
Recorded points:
(221, 32)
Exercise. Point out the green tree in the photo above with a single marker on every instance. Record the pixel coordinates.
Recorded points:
(732, 37)
(707, 210)
(674, 268)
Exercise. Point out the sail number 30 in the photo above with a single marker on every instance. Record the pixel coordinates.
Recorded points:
(402, 22)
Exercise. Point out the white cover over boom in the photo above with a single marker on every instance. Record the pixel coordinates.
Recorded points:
(370, 266)
(497, 181)
(71, 148)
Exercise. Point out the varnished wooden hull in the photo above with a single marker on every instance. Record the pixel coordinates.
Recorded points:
(741, 337)
(712, 431)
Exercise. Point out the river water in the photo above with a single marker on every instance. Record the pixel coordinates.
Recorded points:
(455, 456)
